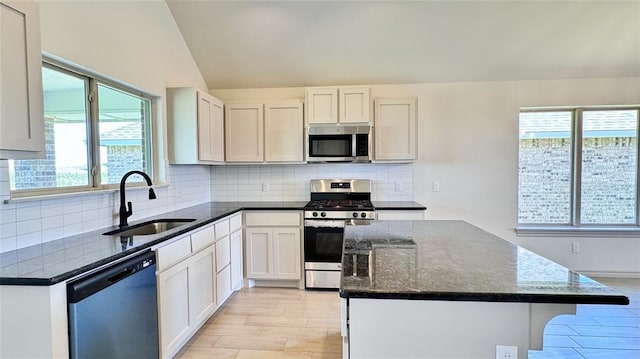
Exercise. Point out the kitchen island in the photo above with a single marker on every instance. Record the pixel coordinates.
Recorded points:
(447, 289)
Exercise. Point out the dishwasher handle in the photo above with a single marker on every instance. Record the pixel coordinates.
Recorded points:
(92, 283)
(122, 275)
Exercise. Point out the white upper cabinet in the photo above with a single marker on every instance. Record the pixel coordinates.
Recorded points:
(21, 103)
(322, 105)
(244, 129)
(273, 135)
(354, 104)
(283, 131)
(331, 105)
(195, 127)
(395, 129)
(210, 128)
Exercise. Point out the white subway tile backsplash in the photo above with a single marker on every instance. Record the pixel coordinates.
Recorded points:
(291, 182)
(34, 222)
(29, 239)
(8, 230)
(8, 243)
(26, 223)
(72, 229)
(27, 213)
(30, 226)
(7, 216)
(50, 222)
(72, 218)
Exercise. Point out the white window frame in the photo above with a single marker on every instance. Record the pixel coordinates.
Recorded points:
(575, 227)
(94, 185)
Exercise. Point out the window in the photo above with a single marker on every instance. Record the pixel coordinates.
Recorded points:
(94, 131)
(578, 168)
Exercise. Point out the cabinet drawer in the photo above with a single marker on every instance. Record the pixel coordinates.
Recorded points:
(201, 239)
(235, 222)
(223, 253)
(173, 253)
(273, 219)
(222, 229)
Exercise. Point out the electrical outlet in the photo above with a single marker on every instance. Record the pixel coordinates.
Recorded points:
(435, 186)
(265, 187)
(398, 186)
(575, 247)
(506, 352)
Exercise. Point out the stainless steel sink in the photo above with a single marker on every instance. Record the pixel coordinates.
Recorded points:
(150, 227)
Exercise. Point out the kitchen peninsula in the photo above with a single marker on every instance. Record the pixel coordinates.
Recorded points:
(447, 289)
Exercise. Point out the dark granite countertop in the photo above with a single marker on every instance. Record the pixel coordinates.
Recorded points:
(454, 260)
(56, 261)
(398, 205)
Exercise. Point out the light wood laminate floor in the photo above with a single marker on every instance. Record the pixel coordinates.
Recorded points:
(271, 323)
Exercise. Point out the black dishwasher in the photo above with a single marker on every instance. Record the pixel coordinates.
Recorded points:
(113, 313)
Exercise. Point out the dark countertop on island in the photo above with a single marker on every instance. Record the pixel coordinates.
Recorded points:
(398, 205)
(456, 261)
(56, 261)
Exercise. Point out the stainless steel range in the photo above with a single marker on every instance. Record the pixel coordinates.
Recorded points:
(333, 203)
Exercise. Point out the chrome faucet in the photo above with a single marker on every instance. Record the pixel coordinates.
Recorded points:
(126, 212)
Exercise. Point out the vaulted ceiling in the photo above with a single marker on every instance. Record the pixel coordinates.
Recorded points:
(247, 44)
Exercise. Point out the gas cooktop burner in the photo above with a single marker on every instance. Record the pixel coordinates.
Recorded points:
(337, 205)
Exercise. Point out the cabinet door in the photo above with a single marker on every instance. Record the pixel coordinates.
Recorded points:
(173, 302)
(286, 253)
(259, 253)
(223, 253)
(202, 276)
(236, 259)
(395, 129)
(283, 132)
(322, 105)
(21, 106)
(244, 133)
(210, 128)
(223, 285)
(354, 105)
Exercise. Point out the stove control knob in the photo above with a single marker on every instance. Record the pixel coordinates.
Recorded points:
(322, 214)
(315, 214)
(355, 214)
(363, 215)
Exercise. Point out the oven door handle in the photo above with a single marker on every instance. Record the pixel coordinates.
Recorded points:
(326, 223)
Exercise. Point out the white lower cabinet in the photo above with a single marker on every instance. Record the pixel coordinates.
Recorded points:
(273, 245)
(223, 284)
(186, 287)
(173, 311)
(286, 253)
(197, 273)
(236, 258)
(202, 285)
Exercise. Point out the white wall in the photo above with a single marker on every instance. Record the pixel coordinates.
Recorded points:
(135, 42)
(468, 141)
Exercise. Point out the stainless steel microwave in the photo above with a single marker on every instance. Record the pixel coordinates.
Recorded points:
(338, 143)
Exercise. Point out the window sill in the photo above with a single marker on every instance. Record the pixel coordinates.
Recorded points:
(570, 231)
(42, 197)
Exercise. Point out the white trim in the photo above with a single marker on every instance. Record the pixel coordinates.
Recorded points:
(570, 231)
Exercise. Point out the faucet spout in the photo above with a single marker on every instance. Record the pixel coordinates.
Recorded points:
(126, 210)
